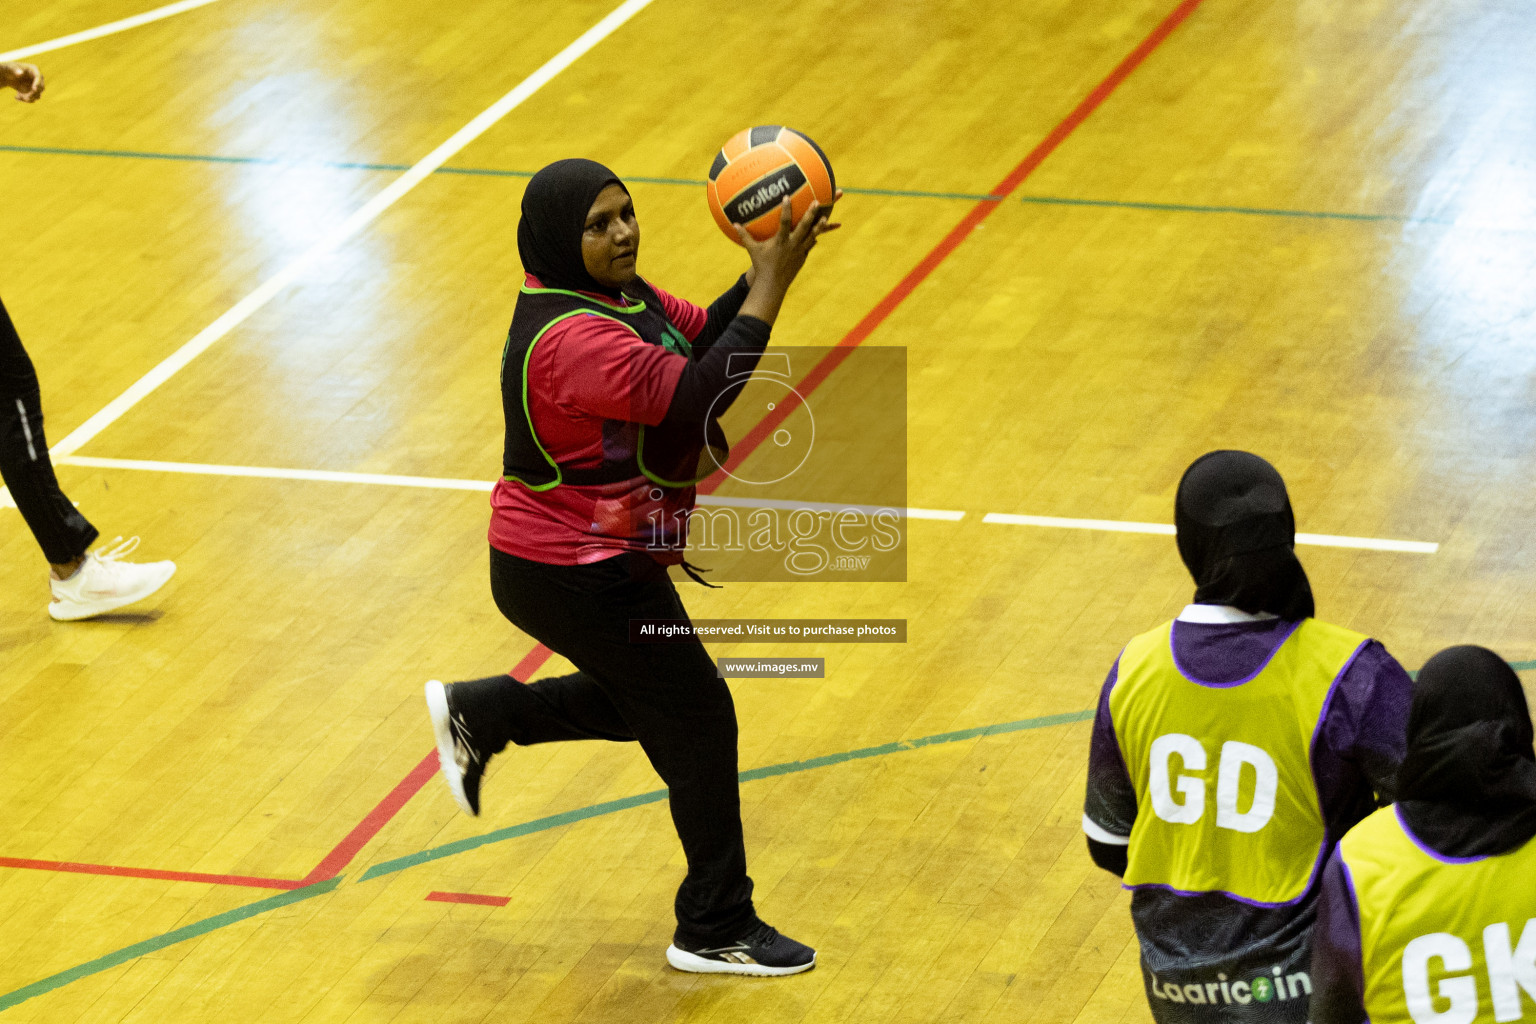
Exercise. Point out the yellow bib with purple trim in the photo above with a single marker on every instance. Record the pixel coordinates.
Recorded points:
(1442, 940)
(1225, 798)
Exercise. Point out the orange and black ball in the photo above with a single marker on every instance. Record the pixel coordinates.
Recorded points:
(756, 169)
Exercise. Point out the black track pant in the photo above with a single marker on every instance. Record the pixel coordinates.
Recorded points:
(61, 530)
(666, 696)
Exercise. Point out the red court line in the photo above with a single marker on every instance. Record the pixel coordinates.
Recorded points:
(169, 876)
(412, 783)
(469, 897)
(398, 797)
(950, 242)
(531, 663)
(339, 857)
(331, 865)
(380, 816)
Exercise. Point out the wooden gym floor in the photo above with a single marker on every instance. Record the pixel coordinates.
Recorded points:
(1110, 236)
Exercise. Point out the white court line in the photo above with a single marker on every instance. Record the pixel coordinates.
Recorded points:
(1115, 525)
(106, 30)
(1417, 547)
(248, 306)
(948, 515)
(273, 473)
(450, 484)
(1325, 540)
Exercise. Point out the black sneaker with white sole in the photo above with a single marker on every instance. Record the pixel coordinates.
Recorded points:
(762, 952)
(462, 762)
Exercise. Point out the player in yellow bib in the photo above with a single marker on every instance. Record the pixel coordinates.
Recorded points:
(1428, 908)
(1232, 748)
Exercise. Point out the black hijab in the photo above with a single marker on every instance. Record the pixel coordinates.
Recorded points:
(1236, 534)
(555, 209)
(1468, 784)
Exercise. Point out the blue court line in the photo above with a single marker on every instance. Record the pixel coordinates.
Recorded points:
(251, 910)
(492, 172)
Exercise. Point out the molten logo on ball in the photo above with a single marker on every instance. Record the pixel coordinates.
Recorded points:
(757, 169)
(764, 193)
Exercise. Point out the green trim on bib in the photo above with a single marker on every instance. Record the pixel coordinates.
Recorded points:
(662, 481)
(528, 411)
(672, 340)
(639, 305)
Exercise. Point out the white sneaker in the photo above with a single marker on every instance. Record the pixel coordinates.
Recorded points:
(104, 583)
(462, 764)
(762, 952)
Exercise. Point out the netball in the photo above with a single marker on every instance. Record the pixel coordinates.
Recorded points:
(546, 614)
(756, 169)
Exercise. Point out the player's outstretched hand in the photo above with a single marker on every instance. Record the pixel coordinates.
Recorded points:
(780, 257)
(26, 79)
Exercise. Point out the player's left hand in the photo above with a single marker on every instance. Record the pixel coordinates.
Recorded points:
(820, 223)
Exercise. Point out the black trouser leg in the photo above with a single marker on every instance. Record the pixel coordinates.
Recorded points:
(572, 707)
(60, 529)
(667, 696)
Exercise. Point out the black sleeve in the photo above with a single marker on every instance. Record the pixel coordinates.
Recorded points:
(721, 312)
(734, 355)
(1109, 809)
(1113, 859)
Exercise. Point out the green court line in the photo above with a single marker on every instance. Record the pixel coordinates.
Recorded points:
(239, 914)
(973, 197)
(1256, 211)
(492, 172)
(489, 172)
(852, 190)
(170, 938)
(924, 741)
(1518, 666)
(699, 183)
(134, 154)
(899, 193)
(389, 867)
